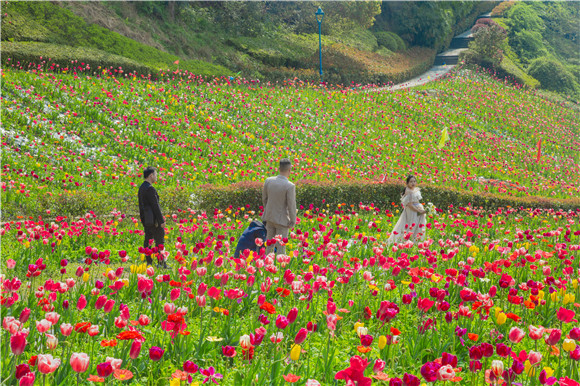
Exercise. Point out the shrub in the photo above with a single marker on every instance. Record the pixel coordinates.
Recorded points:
(553, 75)
(502, 8)
(487, 45)
(528, 45)
(390, 40)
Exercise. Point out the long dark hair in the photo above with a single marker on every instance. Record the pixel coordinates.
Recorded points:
(406, 183)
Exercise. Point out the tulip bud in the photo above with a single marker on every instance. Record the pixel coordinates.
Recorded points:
(497, 368)
(301, 336)
(135, 349)
(295, 352)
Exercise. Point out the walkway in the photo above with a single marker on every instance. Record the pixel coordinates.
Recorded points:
(444, 62)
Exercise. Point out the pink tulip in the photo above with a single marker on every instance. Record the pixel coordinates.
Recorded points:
(379, 366)
(135, 349)
(79, 362)
(534, 357)
(66, 329)
(169, 308)
(516, 335)
(52, 317)
(100, 302)
(47, 364)
(109, 304)
(93, 330)
(43, 326)
(27, 380)
(292, 314)
(81, 303)
(51, 341)
(301, 336)
(18, 343)
(536, 333)
(115, 363)
(565, 315)
(281, 322)
(24, 315)
(144, 320)
(175, 293)
(554, 337)
(445, 373)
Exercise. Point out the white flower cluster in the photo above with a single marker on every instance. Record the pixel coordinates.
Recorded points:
(430, 208)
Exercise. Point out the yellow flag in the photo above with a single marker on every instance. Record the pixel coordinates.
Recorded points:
(444, 138)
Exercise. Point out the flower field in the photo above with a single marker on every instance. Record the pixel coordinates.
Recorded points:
(68, 131)
(489, 297)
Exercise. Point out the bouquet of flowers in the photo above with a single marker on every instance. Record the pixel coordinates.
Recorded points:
(430, 209)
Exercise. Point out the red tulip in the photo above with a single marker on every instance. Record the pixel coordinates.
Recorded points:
(565, 315)
(301, 336)
(104, 369)
(229, 351)
(554, 337)
(425, 304)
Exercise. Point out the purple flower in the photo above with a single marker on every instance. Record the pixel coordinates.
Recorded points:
(156, 353)
(429, 371)
(210, 375)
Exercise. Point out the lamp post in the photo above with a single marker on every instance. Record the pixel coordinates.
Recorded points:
(319, 16)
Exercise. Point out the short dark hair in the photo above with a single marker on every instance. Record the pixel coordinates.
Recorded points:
(285, 164)
(148, 171)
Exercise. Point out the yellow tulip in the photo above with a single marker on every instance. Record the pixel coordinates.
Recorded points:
(175, 382)
(548, 371)
(295, 352)
(497, 311)
(382, 342)
(568, 345)
(501, 318)
(357, 325)
(575, 283)
(85, 277)
(529, 370)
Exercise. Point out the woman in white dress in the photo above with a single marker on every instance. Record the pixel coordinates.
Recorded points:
(411, 224)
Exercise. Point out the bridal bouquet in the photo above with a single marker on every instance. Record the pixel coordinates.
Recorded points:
(430, 209)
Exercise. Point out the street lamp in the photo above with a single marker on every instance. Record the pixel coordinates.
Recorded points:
(319, 16)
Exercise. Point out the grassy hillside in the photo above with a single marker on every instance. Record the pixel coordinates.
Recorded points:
(90, 138)
(257, 40)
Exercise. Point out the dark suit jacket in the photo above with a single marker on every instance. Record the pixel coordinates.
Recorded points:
(149, 202)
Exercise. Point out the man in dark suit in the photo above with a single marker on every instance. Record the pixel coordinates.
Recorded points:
(150, 211)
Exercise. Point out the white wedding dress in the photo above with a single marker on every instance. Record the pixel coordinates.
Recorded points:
(411, 225)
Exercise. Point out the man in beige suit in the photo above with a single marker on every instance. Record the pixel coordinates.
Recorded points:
(279, 199)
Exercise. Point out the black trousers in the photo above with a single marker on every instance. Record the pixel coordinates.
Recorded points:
(155, 233)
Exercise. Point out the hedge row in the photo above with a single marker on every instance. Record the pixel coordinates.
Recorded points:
(249, 195)
(381, 195)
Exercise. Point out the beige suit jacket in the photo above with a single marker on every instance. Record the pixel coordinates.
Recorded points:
(279, 199)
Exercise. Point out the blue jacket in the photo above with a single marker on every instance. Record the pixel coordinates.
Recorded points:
(248, 238)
